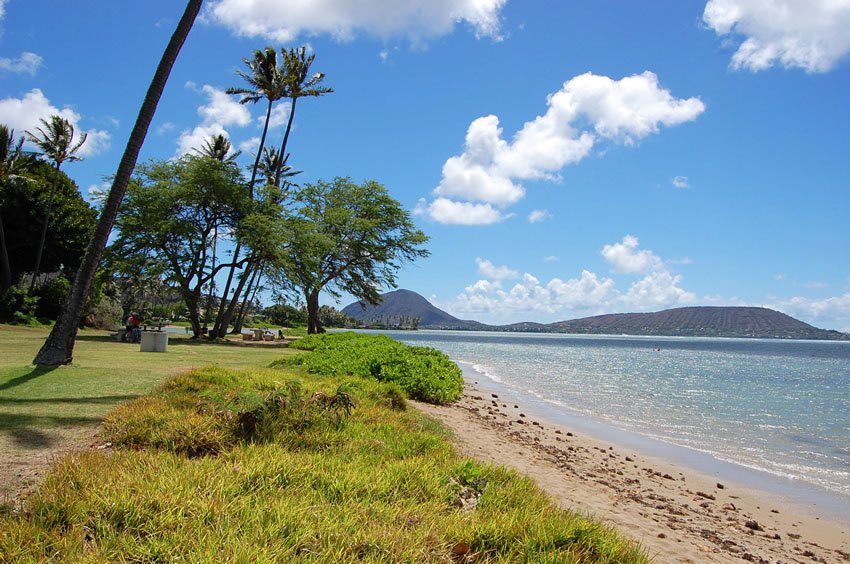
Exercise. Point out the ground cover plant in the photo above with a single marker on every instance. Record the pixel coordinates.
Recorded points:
(282, 465)
(424, 373)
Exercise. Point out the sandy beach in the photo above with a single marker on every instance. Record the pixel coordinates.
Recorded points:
(678, 514)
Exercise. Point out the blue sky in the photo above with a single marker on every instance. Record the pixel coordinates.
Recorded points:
(566, 158)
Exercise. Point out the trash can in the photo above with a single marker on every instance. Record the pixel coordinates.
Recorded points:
(154, 341)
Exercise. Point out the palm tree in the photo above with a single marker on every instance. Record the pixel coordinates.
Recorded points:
(56, 141)
(13, 162)
(265, 81)
(218, 147)
(59, 346)
(296, 65)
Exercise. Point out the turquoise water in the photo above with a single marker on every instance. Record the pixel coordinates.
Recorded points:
(778, 406)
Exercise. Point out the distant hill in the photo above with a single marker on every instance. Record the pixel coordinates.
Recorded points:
(708, 321)
(404, 303)
(701, 322)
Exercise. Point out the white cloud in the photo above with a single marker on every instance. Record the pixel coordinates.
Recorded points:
(279, 116)
(27, 63)
(286, 20)
(829, 313)
(538, 216)
(165, 128)
(551, 258)
(626, 259)
(808, 34)
(250, 146)
(492, 272)
(219, 112)
(681, 182)
(444, 210)
(25, 114)
(658, 290)
(2, 9)
(817, 285)
(529, 296)
(624, 111)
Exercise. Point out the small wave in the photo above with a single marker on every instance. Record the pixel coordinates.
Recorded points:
(485, 372)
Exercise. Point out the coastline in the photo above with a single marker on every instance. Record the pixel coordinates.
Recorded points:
(679, 513)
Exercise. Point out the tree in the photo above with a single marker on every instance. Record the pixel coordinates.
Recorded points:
(348, 237)
(13, 164)
(59, 346)
(56, 141)
(218, 147)
(71, 227)
(169, 220)
(265, 80)
(297, 65)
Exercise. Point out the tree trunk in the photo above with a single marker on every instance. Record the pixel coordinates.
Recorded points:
(193, 303)
(59, 346)
(284, 142)
(314, 324)
(254, 285)
(44, 228)
(218, 329)
(6, 280)
(225, 320)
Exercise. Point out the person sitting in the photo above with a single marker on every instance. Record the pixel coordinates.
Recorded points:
(134, 330)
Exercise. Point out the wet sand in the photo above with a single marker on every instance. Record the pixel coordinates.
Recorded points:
(677, 514)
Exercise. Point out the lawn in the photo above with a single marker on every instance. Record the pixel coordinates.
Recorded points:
(44, 411)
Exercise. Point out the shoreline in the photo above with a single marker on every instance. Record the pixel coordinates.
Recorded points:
(679, 513)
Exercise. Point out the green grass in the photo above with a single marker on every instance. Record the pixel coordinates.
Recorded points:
(39, 408)
(217, 458)
(269, 466)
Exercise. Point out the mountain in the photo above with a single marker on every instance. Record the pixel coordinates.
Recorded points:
(406, 304)
(701, 322)
(708, 321)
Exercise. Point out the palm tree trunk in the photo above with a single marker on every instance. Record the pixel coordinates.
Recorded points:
(6, 280)
(220, 327)
(59, 346)
(44, 228)
(253, 285)
(284, 142)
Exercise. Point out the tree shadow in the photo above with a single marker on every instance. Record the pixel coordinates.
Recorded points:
(100, 339)
(31, 375)
(84, 400)
(34, 432)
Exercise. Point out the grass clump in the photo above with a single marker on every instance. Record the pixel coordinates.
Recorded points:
(313, 469)
(423, 373)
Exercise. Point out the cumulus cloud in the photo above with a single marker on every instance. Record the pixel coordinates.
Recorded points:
(492, 272)
(829, 313)
(812, 34)
(551, 258)
(278, 117)
(27, 63)
(626, 259)
(25, 114)
(657, 290)
(444, 210)
(588, 109)
(680, 182)
(219, 112)
(538, 216)
(286, 20)
(529, 296)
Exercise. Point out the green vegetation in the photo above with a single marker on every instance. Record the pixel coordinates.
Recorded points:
(424, 373)
(281, 465)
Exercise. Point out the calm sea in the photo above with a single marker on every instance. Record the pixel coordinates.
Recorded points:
(773, 405)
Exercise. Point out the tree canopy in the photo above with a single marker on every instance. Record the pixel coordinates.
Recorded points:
(348, 237)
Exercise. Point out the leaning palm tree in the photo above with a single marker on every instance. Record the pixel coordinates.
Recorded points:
(265, 81)
(296, 65)
(13, 163)
(218, 147)
(59, 346)
(56, 142)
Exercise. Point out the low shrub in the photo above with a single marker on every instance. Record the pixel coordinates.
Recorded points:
(423, 373)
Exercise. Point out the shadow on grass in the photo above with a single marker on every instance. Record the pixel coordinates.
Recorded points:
(101, 339)
(30, 431)
(94, 400)
(24, 378)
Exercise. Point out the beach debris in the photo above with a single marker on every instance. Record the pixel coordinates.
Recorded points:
(662, 536)
(774, 511)
(569, 434)
(495, 395)
(720, 486)
(753, 524)
(729, 507)
(557, 431)
(706, 495)
(522, 414)
(629, 459)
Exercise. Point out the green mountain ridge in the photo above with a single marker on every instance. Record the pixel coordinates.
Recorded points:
(699, 321)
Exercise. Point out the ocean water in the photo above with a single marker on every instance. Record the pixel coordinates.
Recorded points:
(777, 406)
